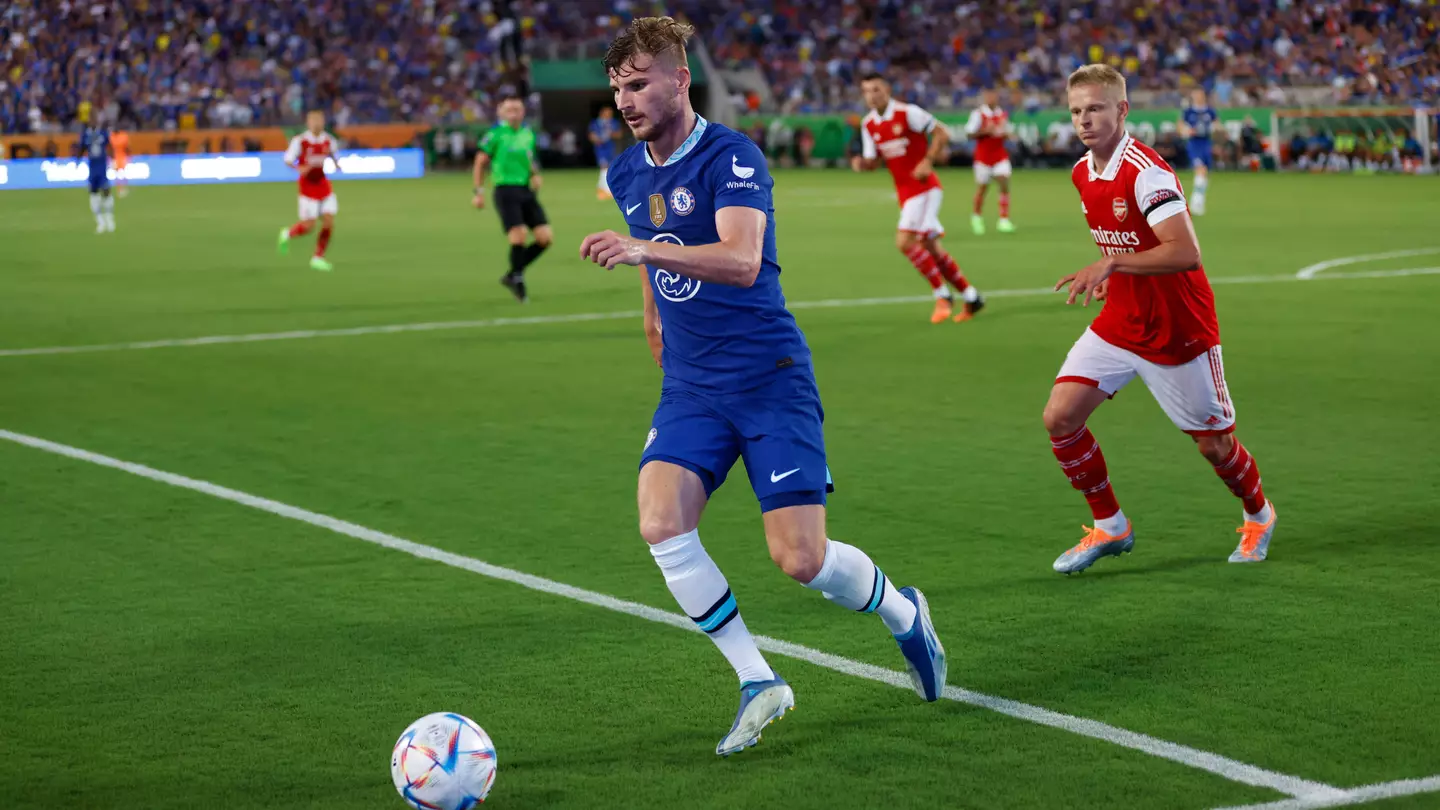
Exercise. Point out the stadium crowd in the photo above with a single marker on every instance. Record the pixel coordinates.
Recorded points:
(175, 63)
(1245, 51)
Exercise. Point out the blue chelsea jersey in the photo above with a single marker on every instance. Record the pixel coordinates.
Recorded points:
(717, 338)
(605, 130)
(1201, 120)
(93, 143)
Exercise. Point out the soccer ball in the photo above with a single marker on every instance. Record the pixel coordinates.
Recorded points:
(443, 761)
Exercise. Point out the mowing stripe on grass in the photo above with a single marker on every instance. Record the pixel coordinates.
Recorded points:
(1360, 795)
(1203, 760)
(489, 323)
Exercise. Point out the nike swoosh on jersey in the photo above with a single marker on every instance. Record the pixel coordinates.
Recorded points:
(777, 478)
(631, 209)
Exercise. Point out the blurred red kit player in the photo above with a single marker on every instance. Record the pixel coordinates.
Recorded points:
(1158, 323)
(308, 152)
(989, 126)
(907, 138)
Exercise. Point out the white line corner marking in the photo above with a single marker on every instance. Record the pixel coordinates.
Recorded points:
(1310, 271)
(1214, 763)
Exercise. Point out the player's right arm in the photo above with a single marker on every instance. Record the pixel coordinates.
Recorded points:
(292, 153)
(652, 317)
(869, 158)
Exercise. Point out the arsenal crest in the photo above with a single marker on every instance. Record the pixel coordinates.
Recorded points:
(899, 127)
(657, 209)
(1119, 207)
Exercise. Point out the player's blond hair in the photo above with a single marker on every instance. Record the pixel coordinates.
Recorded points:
(1098, 75)
(656, 37)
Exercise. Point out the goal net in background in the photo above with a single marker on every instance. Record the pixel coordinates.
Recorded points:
(1355, 139)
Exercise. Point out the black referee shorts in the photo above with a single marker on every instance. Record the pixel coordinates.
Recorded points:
(518, 205)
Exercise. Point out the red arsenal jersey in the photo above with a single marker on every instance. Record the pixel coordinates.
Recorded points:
(313, 182)
(989, 149)
(900, 135)
(1167, 319)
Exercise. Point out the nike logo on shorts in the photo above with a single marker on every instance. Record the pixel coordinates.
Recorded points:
(776, 478)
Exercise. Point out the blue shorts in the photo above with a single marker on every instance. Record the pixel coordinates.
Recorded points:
(777, 429)
(604, 157)
(1201, 152)
(99, 178)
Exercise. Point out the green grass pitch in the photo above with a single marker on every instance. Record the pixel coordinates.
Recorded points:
(166, 649)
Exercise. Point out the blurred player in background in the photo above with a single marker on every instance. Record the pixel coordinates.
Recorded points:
(1196, 123)
(699, 204)
(308, 153)
(95, 150)
(990, 126)
(509, 148)
(604, 131)
(907, 139)
(120, 145)
(1158, 323)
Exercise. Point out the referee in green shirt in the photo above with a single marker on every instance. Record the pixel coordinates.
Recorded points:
(510, 147)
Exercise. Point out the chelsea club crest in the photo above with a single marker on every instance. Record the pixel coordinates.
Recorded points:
(682, 201)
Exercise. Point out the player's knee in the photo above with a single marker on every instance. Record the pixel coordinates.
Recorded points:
(1216, 449)
(800, 558)
(516, 235)
(904, 241)
(543, 238)
(1060, 419)
(657, 528)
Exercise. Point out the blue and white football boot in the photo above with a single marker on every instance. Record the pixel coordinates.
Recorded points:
(924, 654)
(761, 703)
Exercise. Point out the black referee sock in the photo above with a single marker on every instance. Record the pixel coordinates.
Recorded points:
(518, 260)
(532, 252)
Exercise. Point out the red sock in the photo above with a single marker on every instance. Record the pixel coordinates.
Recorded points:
(1242, 475)
(1004, 205)
(321, 242)
(952, 273)
(925, 263)
(299, 229)
(1080, 457)
(980, 199)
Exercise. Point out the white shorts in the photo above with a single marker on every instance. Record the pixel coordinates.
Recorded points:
(1193, 395)
(921, 213)
(312, 209)
(985, 171)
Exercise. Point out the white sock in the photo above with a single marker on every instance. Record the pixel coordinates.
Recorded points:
(1113, 525)
(107, 207)
(701, 591)
(848, 577)
(970, 294)
(943, 292)
(1263, 516)
(95, 209)
(604, 184)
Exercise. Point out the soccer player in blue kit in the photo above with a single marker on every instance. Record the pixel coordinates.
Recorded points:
(95, 150)
(738, 380)
(603, 132)
(1196, 123)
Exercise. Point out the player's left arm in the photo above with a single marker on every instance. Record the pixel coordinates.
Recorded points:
(922, 121)
(535, 179)
(1164, 210)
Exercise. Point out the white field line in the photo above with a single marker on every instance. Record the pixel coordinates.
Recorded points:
(489, 323)
(1312, 270)
(1203, 760)
(1352, 796)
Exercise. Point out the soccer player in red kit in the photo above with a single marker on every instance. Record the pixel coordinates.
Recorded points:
(989, 125)
(308, 152)
(1158, 323)
(909, 141)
